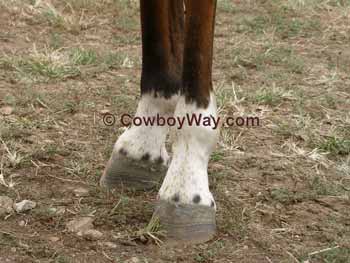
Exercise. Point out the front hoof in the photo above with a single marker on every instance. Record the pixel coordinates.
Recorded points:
(121, 171)
(186, 224)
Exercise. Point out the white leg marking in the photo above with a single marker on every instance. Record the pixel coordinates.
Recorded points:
(138, 141)
(187, 178)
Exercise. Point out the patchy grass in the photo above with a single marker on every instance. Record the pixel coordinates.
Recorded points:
(286, 25)
(271, 97)
(336, 146)
(281, 189)
(226, 6)
(59, 65)
(83, 57)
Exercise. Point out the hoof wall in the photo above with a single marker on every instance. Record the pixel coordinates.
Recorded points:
(186, 224)
(122, 171)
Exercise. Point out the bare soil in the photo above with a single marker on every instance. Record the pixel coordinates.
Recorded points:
(282, 189)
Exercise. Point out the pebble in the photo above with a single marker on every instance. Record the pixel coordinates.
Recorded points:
(6, 205)
(61, 210)
(81, 192)
(105, 111)
(108, 244)
(134, 260)
(216, 167)
(6, 110)
(91, 234)
(24, 206)
(80, 224)
(83, 226)
(54, 239)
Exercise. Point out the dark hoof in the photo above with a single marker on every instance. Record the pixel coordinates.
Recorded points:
(186, 224)
(133, 174)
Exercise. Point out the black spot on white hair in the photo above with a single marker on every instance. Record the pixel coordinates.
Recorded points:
(196, 199)
(146, 157)
(176, 198)
(122, 151)
(159, 160)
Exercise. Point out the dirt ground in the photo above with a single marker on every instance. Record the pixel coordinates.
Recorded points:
(282, 189)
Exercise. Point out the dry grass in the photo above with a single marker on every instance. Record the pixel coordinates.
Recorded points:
(282, 188)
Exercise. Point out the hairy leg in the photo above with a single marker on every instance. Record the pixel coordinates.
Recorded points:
(139, 159)
(187, 207)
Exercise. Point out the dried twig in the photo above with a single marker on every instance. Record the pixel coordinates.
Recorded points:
(322, 251)
(67, 180)
(293, 257)
(2, 179)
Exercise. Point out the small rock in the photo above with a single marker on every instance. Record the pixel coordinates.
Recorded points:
(6, 110)
(108, 244)
(81, 192)
(6, 205)
(81, 224)
(54, 239)
(105, 111)
(24, 245)
(92, 234)
(52, 210)
(22, 223)
(60, 210)
(134, 260)
(81, 116)
(216, 167)
(24, 205)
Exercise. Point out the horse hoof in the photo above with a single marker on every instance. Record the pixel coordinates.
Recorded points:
(186, 224)
(122, 171)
